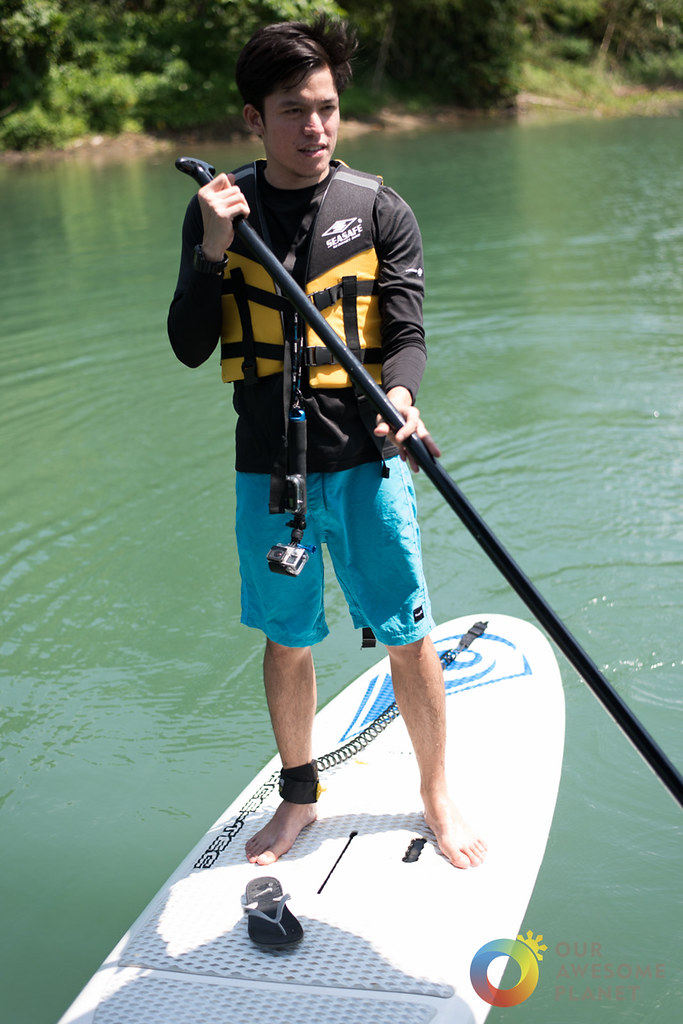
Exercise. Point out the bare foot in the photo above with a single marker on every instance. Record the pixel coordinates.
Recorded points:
(457, 841)
(279, 835)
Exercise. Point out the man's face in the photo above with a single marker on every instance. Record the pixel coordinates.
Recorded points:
(299, 130)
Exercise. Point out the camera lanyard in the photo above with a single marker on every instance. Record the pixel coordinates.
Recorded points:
(297, 355)
(295, 496)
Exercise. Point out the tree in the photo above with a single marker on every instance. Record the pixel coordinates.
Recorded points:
(76, 66)
(31, 35)
(454, 51)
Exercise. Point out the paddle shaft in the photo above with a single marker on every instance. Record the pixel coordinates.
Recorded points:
(570, 647)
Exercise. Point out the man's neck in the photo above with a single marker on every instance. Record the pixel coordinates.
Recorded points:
(295, 189)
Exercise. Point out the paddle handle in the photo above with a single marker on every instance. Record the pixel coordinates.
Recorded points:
(202, 172)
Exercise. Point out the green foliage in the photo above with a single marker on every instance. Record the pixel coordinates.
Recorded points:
(622, 29)
(453, 51)
(71, 67)
(598, 52)
(106, 66)
(31, 34)
(658, 69)
(35, 128)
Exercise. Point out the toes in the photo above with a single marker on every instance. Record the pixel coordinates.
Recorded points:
(266, 858)
(460, 860)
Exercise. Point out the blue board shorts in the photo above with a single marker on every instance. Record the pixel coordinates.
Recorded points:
(369, 524)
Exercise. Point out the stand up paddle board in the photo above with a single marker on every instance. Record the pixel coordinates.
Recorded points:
(390, 927)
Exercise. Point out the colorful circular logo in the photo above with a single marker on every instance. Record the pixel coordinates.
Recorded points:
(525, 960)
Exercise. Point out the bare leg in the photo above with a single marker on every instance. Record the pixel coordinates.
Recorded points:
(419, 690)
(289, 677)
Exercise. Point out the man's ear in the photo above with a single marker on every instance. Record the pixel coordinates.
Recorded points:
(253, 119)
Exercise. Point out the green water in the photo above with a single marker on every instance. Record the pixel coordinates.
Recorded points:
(132, 710)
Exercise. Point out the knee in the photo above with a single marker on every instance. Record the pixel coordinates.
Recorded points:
(411, 653)
(278, 653)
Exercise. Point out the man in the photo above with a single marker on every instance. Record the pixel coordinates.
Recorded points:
(354, 245)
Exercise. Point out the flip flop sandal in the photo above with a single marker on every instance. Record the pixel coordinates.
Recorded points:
(270, 922)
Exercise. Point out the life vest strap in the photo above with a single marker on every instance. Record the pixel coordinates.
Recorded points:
(262, 349)
(350, 314)
(317, 355)
(249, 360)
(347, 290)
(237, 286)
(327, 297)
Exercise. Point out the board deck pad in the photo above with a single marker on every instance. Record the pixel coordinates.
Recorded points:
(386, 939)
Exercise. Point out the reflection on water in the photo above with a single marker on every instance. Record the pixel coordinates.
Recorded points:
(132, 706)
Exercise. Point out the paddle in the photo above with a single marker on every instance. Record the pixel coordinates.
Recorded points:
(203, 173)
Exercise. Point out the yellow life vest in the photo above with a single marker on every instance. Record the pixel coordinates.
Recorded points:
(341, 280)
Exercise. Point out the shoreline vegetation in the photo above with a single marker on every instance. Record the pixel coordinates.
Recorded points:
(611, 100)
(109, 78)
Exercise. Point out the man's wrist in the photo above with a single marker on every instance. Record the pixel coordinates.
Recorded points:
(204, 264)
(400, 396)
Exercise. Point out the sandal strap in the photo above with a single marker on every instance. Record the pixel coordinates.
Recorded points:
(255, 912)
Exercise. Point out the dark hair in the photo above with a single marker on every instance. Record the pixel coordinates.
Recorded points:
(282, 55)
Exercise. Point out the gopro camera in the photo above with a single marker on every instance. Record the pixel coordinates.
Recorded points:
(287, 559)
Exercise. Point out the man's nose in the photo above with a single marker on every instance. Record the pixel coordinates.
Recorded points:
(314, 123)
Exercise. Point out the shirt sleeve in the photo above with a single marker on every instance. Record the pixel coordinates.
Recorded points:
(194, 318)
(398, 244)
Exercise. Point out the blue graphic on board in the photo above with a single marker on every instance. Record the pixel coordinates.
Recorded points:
(490, 659)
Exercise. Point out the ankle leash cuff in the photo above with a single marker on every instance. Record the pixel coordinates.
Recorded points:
(300, 785)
